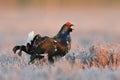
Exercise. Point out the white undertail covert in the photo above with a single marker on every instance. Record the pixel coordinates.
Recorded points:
(30, 36)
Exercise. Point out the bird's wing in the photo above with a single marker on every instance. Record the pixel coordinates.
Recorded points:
(47, 45)
(41, 45)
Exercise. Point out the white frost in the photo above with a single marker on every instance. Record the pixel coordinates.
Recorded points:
(30, 36)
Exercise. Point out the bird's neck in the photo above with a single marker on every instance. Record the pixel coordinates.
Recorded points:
(63, 37)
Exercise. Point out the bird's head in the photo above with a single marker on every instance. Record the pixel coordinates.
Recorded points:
(67, 27)
(65, 31)
(64, 34)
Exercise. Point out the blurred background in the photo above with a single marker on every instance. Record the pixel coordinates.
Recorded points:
(93, 20)
(56, 3)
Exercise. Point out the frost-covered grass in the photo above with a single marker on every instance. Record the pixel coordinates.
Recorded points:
(101, 62)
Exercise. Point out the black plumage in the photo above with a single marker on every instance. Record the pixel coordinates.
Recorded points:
(57, 46)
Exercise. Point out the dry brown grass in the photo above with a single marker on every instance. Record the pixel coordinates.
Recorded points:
(101, 56)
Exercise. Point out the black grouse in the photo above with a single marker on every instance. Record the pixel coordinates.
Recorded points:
(39, 47)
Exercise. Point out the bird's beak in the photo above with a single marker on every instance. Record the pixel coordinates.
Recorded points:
(72, 25)
(71, 28)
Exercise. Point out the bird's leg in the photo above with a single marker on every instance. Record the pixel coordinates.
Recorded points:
(32, 58)
(51, 60)
(21, 48)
